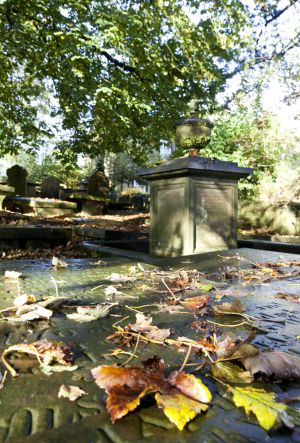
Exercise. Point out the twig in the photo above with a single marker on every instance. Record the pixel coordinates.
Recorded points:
(186, 358)
(97, 287)
(134, 351)
(119, 321)
(250, 318)
(55, 285)
(172, 293)
(236, 325)
(132, 309)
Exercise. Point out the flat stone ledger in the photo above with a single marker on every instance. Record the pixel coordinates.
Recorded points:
(193, 206)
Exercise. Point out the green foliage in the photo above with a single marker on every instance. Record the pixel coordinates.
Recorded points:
(130, 192)
(116, 73)
(121, 168)
(252, 138)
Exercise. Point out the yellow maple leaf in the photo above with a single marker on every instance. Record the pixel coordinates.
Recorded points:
(179, 408)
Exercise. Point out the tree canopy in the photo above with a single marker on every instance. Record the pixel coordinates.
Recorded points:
(114, 75)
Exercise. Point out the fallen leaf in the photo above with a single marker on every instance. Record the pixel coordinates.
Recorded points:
(144, 326)
(235, 307)
(12, 274)
(24, 299)
(176, 309)
(204, 287)
(269, 413)
(178, 395)
(49, 369)
(46, 352)
(195, 303)
(289, 297)
(190, 386)
(231, 373)
(33, 312)
(57, 263)
(118, 278)
(70, 392)
(111, 291)
(85, 315)
(178, 408)
(276, 365)
(54, 302)
(232, 347)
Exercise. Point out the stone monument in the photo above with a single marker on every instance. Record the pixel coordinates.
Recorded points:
(50, 187)
(16, 177)
(193, 200)
(98, 185)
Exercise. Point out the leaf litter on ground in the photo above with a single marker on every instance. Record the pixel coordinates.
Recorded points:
(141, 329)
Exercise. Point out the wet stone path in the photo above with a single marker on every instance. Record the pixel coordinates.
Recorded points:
(30, 408)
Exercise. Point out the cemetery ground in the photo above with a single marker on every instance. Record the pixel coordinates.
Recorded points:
(212, 341)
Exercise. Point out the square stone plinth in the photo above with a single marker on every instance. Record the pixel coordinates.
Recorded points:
(193, 206)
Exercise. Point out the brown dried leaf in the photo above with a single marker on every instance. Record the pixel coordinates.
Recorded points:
(232, 347)
(124, 399)
(177, 395)
(289, 297)
(143, 326)
(190, 386)
(45, 351)
(195, 303)
(107, 377)
(276, 365)
(235, 307)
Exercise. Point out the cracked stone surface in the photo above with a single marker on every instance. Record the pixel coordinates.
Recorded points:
(32, 412)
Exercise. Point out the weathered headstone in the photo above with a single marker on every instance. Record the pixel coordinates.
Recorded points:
(50, 187)
(98, 185)
(16, 177)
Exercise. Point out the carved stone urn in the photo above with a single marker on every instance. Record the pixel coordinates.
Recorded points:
(193, 132)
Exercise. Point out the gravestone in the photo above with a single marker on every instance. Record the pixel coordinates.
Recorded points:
(193, 205)
(16, 177)
(50, 187)
(98, 185)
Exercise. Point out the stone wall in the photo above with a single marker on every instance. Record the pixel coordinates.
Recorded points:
(281, 218)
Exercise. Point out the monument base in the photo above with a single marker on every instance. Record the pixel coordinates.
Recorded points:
(193, 206)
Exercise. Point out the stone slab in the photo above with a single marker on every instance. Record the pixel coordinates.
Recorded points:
(41, 206)
(200, 166)
(33, 412)
(106, 234)
(32, 232)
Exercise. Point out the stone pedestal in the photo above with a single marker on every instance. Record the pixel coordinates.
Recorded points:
(193, 205)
